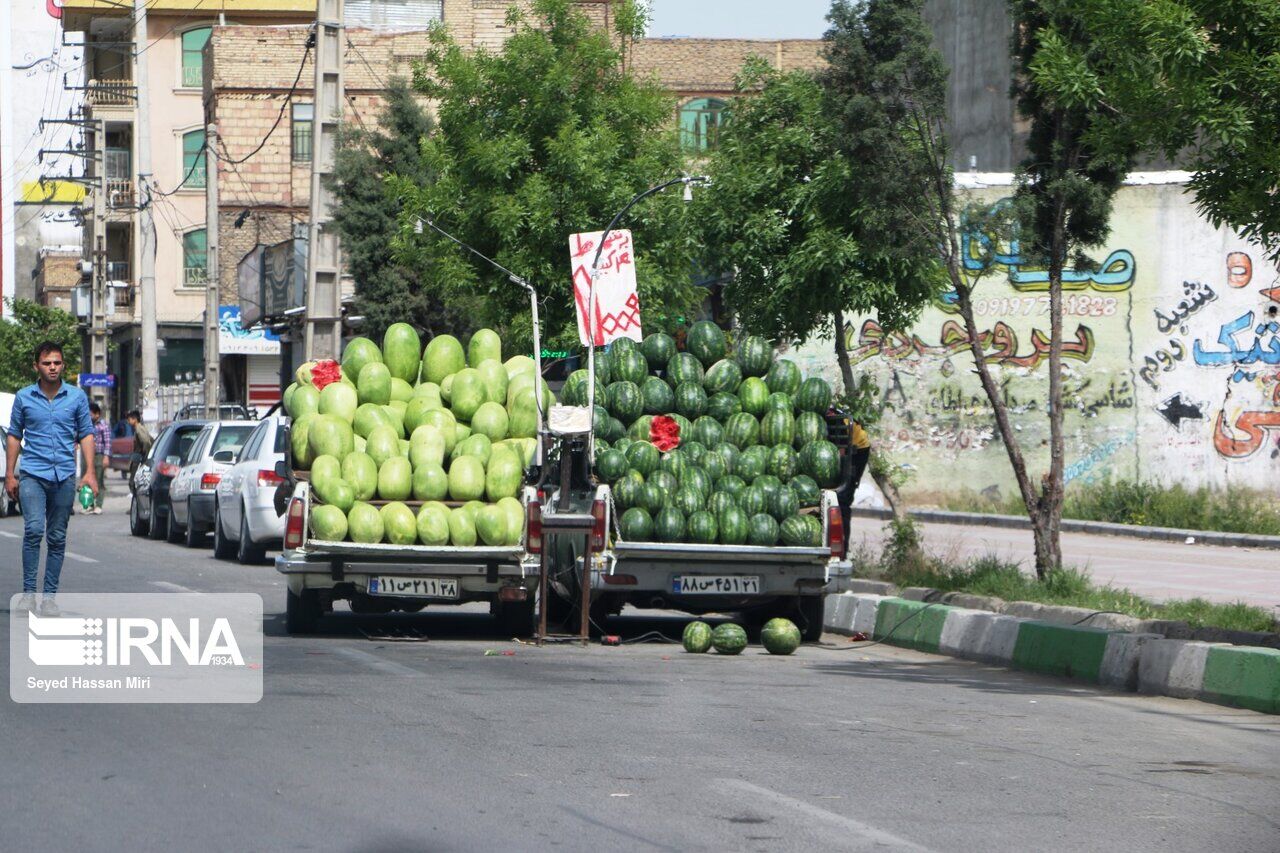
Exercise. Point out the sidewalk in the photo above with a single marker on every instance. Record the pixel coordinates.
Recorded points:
(1155, 570)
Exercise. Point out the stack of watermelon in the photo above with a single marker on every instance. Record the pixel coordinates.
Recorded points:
(447, 431)
(753, 451)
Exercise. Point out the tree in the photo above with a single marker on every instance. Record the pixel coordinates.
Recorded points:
(549, 137)
(787, 216)
(367, 210)
(32, 324)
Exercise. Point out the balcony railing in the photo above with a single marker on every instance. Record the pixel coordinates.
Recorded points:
(195, 276)
(121, 195)
(118, 271)
(193, 76)
(118, 163)
(111, 93)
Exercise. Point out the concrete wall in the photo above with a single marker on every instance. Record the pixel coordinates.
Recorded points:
(1172, 361)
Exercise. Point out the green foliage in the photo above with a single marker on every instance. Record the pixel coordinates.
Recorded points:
(387, 291)
(32, 324)
(547, 138)
(787, 215)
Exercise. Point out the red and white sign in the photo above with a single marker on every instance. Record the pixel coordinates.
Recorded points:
(617, 305)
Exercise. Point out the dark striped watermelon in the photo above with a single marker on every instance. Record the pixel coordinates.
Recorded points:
(754, 356)
(729, 639)
(821, 461)
(658, 349)
(691, 400)
(733, 484)
(783, 377)
(696, 478)
(748, 466)
(810, 426)
(770, 485)
(733, 524)
(643, 457)
(794, 532)
(814, 396)
(720, 501)
(625, 402)
(628, 491)
(742, 430)
(674, 463)
(782, 462)
(652, 497)
(617, 429)
(762, 529)
(664, 480)
(621, 444)
(724, 377)
(777, 428)
(688, 500)
(723, 406)
(668, 525)
(706, 341)
(758, 457)
(754, 396)
(636, 525)
(600, 422)
(658, 396)
(683, 368)
(686, 425)
(754, 500)
(610, 465)
(783, 504)
(815, 529)
(694, 451)
(728, 452)
(715, 466)
(639, 431)
(702, 528)
(628, 365)
(708, 430)
(603, 375)
(778, 400)
(806, 490)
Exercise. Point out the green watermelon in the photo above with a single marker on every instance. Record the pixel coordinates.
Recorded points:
(742, 430)
(723, 406)
(707, 431)
(728, 452)
(688, 500)
(729, 639)
(724, 377)
(809, 426)
(603, 362)
(628, 365)
(621, 345)
(706, 341)
(664, 480)
(751, 463)
(621, 444)
(669, 526)
(625, 402)
(356, 354)
(600, 421)
(794, 532)
(402, 351)
(702, 528)
(777, 428)
(821, 461)
(674, 463)
(691, 400)
(814, 396)
(754, 396)
(755, 356)
(694, 452)
(783, 377)
(697, 635)
(719, 502)
(778, 400)
(485, 345)
(639, 431)
(782, 462)
(715, 466)
(643, 457)
(615, 429)
(732, 484)
(658, 350)
(652, 497)
(611, 465)
(783, 504)
(686, 426)
(754, 500)
(698, 479)
(373, 384)
(658, 396)
(762, 530)
(636, 525)
(780, 636)
(733, 524)
(815, 529)
(684, 368)
(627, 491)
(806, 489)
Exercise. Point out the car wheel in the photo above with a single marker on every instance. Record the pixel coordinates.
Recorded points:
(223, 548)
(247, 552)
(137, 526)
(159, 523)
(174, 532)
(194, 536)
(301, 612)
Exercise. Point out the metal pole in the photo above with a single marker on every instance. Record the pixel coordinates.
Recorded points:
(98, 289)
(146, 222)
(212, 355)
(324, 256)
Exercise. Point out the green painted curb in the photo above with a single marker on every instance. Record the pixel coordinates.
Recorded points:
(922, 628)
(1075, 652)
(1247, 677)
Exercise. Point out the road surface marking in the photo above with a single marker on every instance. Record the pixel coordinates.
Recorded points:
(174, 587)
(389, 667)
(10, 535)
(70, 555)
(864, 831)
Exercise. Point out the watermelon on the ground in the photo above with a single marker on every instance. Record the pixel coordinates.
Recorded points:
(724, 377)
(636, 525)
(780, 636)
(754, 355)
(821, 461)
(691, 400)
(684, 368)
(762, 529)
(783, 377)
(669, 525)
(729, 639)
(742, 430)
(701, 528)
(723, 406)
(696, 638)
(733, 524)
(658, 396)
(706, 341)
(814, 395)
(777, 428)
(658, 349)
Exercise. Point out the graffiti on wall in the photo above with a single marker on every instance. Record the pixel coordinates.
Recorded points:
(999, 344)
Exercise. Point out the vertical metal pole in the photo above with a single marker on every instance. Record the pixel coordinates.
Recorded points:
(584, 615)
(542, 592)
(212, 355)
(146, 222)
(324, 258)
(98, 287)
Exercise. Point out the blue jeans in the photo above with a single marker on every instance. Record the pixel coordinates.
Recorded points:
(46, 505)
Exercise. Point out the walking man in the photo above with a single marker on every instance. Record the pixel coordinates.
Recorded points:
(101, 454)
(53, 418)
(141, 444)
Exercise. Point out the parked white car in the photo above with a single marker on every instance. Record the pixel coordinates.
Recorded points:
(191, 494)
(247, 522)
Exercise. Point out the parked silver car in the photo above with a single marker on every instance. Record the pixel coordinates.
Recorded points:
(247, 522)
(191, 494)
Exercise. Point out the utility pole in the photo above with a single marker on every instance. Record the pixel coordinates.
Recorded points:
(146, 222)
(324, 257)
(212, 356)
(98, 286)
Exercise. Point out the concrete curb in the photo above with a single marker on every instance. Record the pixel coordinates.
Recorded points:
(1071, 525)
(1243, 676)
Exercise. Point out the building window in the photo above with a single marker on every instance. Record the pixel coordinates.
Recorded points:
(700, 123)
(195, 258)
(302, 116)
(193, 160)
(193, 42)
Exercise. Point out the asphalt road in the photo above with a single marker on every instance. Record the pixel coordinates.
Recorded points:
(361, 745)
(1153, 569)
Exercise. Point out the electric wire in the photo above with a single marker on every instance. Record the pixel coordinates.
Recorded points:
(288, 99)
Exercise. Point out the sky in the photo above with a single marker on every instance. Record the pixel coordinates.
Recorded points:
(767, 19)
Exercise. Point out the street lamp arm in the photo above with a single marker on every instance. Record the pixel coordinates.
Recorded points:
(687, 180)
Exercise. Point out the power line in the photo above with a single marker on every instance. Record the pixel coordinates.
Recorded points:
(375, 74)
(204, 146)
(288, 98)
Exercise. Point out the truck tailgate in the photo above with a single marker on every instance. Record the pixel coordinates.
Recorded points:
(662, 552)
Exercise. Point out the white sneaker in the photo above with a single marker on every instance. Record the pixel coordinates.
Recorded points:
(27, 603)
(49, 607)
(97, 510)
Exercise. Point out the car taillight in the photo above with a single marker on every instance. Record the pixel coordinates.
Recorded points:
(597, 527)
(210, 481)
(269, 478)
(835, 531)
(533, 539)
(167, 469)
(293, 526)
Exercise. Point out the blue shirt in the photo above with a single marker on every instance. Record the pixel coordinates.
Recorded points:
(52, 428)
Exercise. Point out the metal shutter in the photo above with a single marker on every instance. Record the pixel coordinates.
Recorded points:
(393, 13)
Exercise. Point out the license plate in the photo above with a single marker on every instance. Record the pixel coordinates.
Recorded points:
(414, 587)
(716, 585)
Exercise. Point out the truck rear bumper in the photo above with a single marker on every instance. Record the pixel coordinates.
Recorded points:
(479, 578)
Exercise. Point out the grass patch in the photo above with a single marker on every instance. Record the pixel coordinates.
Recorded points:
(1144, 503)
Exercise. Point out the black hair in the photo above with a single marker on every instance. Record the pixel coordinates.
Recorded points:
(46, 347)
(95, 409)
(135, 414)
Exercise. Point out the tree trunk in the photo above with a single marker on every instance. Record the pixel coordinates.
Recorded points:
(1049, 550)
